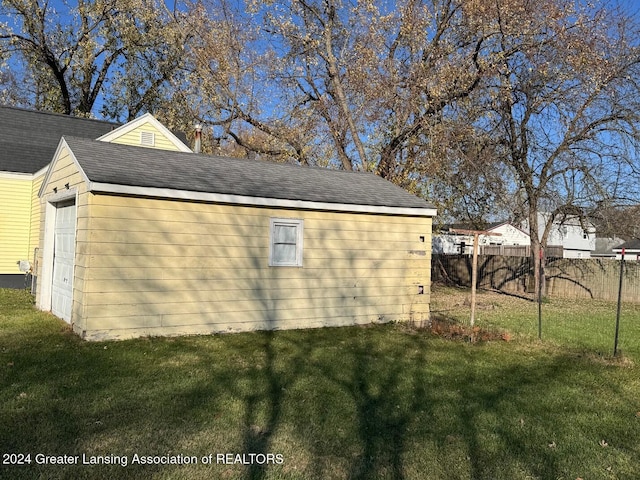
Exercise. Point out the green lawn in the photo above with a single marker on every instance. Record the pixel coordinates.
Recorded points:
(587, 325)
(363, 403)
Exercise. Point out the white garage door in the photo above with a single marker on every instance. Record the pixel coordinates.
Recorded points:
(63, 256)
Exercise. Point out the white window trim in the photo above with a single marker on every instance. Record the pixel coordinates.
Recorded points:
(295, 222)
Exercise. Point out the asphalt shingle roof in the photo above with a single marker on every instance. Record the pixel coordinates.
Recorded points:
(28, 139)
(630, 245)
(144, 167)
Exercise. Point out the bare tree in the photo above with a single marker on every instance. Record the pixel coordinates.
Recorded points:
(119, 53)
(358, 86)
(564, 106)
(484, 107)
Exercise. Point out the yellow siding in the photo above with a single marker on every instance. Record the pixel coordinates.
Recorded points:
(65, 172)
(15, 222)
(34, 236)
(133, 138)
(160, 267)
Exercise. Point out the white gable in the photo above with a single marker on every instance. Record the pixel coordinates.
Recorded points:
(509, 235)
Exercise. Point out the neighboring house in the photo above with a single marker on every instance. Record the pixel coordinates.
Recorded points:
(604, 247)
(28, 141)
(146, 242)
(567, 239)
(576, 241)
(631, 250)
(448, 242)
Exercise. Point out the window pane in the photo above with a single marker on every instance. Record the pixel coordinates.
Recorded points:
(284, 253)
(285, 234)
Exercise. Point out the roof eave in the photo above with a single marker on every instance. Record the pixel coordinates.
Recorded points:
(99, 187)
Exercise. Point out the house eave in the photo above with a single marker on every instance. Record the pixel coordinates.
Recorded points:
(98, 187)
(23, 175)
(16, 175)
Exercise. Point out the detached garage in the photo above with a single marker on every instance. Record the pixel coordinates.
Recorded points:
(136, 241)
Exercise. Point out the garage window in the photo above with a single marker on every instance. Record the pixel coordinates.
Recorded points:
(286, 242)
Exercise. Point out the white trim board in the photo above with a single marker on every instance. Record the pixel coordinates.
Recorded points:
(24, 176)
(28, 177)
(96, 187)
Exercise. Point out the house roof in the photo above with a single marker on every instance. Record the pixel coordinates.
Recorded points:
(605, 246)
(28, 138)
(487, 227)
(151, 171)
(630, 245)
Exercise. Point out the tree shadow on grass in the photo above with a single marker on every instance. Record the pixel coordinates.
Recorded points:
(396, 409)
(358, 403)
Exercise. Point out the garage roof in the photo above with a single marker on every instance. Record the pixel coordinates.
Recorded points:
(134, 170)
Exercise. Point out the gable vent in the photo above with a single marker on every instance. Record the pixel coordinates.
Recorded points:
(148, 139)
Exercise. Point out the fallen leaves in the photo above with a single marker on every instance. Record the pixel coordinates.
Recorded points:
(453, 330)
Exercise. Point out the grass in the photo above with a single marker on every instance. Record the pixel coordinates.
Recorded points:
(383, 402)
(578, 324)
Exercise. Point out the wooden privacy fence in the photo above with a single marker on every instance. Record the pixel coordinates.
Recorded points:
(565, 277)
(518, 250)
(506, 250)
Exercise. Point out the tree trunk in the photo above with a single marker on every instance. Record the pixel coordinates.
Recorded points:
(537, 254)
(535, 250)
(336, 84)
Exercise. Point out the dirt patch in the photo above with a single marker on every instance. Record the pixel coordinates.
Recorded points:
(445, 327)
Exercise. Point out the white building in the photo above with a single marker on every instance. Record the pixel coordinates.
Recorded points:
(568, 237)
(577, 240)
(450, 243)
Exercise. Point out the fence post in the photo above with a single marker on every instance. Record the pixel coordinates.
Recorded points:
(474, 268)
(615, 341)
(540, 294)
(474, 278)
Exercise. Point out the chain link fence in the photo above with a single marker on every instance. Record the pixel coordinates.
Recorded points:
(579, 307)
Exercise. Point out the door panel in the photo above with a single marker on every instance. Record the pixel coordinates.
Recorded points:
(63, 260)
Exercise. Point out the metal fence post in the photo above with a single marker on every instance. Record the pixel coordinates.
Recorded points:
(540, 294)
(615, 341)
